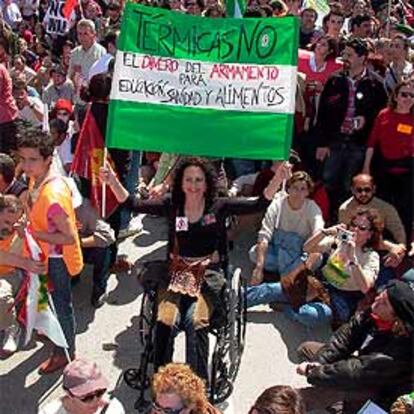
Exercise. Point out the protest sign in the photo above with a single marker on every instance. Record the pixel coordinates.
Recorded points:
(200, 86)
(55, 20)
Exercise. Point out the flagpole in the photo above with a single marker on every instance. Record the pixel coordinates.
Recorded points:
(105, 164)
(389, 18)
(53, 309)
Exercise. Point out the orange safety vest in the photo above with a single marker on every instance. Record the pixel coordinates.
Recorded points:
(56, 191)
(6, 246)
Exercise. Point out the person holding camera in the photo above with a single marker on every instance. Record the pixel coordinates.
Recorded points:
(349, 272)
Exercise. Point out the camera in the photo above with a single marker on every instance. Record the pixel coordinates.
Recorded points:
(344, 236)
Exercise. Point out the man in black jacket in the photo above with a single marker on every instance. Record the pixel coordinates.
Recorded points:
(350, 101)
(371, 357)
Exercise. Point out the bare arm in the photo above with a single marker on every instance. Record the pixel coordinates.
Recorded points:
(20, 262)
(367, 162)
(64, 234)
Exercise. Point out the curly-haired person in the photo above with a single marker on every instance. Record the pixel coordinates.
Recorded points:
(178, 390)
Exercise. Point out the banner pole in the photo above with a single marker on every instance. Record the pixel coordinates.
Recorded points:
(105, 164)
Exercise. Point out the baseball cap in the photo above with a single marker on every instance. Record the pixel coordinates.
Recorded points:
(82, 377)
(401, 297)
(63, 104)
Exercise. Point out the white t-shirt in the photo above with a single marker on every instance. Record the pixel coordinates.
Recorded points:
(100, 66)
(56, 407)
(65, 151)
(27, 113)
(279, 215)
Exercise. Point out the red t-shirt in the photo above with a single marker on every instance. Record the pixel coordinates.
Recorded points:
(305, 66)
(393, 133)
(8, 108)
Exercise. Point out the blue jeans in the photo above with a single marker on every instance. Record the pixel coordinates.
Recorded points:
(131, 183)
(310, 314)
(100, 258)
(283, 254)
(62, 299)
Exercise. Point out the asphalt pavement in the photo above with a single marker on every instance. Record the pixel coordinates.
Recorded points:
(109, 336)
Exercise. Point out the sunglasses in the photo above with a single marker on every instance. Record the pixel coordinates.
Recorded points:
(158, 409)
(407, 94)
(363, 189)
(359, 226)
(90, 397)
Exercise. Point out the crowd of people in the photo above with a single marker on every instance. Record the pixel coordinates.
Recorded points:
(333, 224)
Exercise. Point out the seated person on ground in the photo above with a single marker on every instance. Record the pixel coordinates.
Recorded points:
(370, 357)
(393, 244)
(350, 271)
(290, 219)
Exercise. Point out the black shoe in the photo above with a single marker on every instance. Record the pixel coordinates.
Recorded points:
(97, 300)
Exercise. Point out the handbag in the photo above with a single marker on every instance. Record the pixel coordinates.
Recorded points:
(302, 288)
(186, 277)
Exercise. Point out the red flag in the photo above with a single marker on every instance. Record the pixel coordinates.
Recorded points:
(69, 7)
(87, 160)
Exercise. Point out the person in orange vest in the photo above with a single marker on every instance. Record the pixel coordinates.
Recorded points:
(52, 219)
(11, 209)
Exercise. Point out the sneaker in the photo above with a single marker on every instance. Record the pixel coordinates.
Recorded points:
(11, 340)
(135, 226)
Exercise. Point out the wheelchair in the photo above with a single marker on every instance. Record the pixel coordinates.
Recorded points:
(229, 339)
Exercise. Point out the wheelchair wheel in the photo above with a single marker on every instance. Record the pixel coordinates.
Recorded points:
(236, 321)
(230, 341)
(146, 316)
(221, 386)
(139, 378)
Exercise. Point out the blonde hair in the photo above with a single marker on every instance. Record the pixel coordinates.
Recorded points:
(181, 380)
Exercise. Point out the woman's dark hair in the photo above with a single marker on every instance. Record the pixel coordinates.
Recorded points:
(392, 103)
(177, 194)
(333, 47)
(99, 88)
(280, 399)
(32, 137)
(377, 225)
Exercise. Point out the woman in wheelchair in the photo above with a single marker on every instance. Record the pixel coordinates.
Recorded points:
(197, 252)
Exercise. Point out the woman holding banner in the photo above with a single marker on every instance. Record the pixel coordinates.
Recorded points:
(197, 253)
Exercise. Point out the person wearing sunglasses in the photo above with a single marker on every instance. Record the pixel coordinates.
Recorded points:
(363, 195)
(178, 390)
(85, 388)
(315, 296)
(391, 143)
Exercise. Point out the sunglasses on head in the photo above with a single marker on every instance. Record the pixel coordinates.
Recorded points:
(158, 409)
(407, 94)
(90, 397)
(363, 189)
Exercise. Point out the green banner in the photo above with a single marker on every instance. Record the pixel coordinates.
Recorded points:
(201, 86)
